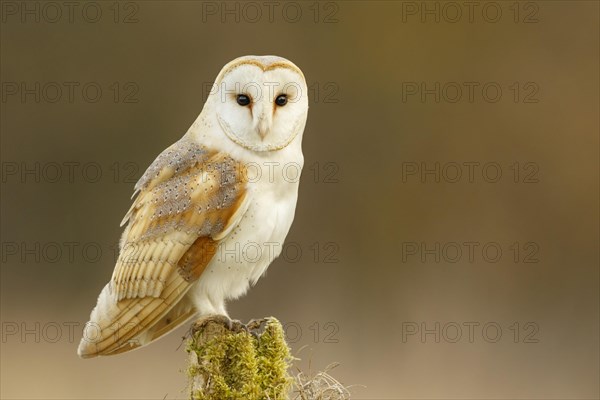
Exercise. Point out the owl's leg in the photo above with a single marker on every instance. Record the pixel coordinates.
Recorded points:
(212, 310)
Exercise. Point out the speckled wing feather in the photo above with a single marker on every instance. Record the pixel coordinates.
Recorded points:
(188, 200)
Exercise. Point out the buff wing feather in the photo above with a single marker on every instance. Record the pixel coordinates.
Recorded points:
(187, 201)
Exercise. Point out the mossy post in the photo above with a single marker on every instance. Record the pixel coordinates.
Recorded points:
(239, 363)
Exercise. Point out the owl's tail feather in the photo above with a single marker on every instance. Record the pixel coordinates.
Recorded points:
(119, 326)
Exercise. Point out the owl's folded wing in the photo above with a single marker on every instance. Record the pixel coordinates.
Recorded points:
(188, 200)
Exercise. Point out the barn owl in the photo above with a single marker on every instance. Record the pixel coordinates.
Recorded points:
(211, 212)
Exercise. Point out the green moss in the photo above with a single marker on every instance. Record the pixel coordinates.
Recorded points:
(238, 365)
(273, 356)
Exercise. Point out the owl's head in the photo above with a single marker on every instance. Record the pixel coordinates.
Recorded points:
(261, 102)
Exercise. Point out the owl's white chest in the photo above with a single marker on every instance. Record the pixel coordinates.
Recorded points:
(260, 235)
(244, 255)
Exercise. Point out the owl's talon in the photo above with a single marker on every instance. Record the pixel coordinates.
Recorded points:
(255, 335)
(237, 326)
(254, 324)
(222, 320)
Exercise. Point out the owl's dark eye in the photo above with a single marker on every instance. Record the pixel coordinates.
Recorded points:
(243, 100)
(281, 100)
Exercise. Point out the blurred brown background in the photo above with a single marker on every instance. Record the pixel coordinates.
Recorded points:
(370, 278)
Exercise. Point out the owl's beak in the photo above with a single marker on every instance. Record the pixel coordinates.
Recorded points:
(263, 126)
